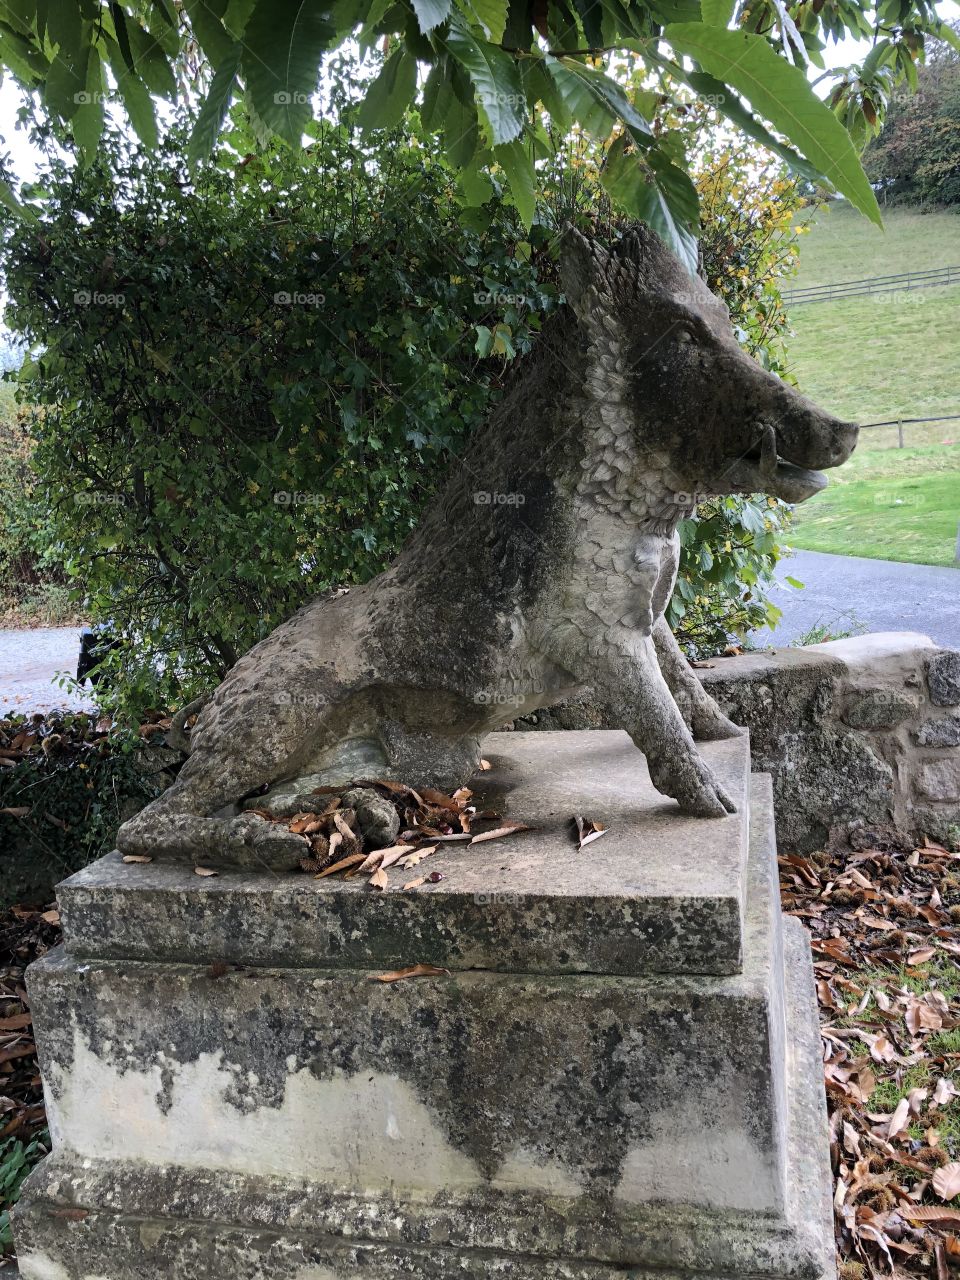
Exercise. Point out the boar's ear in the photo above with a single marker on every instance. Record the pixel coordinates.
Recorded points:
(583, 268)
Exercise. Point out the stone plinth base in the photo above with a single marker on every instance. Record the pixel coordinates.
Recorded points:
(515, 1119)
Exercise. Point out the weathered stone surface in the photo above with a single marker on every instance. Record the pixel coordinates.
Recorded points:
(658, 893)
(944, 732)
(309, 1124)
(940, 780)
(943, 678)
(378, 818)
(880, 709)
(839, 726)
(636, 401)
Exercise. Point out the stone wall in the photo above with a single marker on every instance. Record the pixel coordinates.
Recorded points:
(858, 731)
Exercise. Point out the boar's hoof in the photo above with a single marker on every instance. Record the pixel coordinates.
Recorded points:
(376, 816)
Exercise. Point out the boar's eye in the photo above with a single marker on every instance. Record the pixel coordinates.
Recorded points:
(683, 334)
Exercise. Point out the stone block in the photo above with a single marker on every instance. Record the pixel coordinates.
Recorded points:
(874, 709)
(658, 893)
(302, 1121)
(943, 732)
(943, 678)
(940, 780)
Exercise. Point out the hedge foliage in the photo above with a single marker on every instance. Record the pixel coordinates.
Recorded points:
(247, 382)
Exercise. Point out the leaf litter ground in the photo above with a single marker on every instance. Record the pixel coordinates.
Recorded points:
(884, 930)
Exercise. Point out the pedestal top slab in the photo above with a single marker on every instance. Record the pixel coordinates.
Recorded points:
(658, 893)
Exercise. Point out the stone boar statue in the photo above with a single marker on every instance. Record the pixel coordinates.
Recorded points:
(539, 572)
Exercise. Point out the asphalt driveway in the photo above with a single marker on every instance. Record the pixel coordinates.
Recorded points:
(842, 593)
(29, 662)
(847, 593)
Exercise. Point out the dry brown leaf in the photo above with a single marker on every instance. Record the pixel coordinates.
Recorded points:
(415, 884)
(16, 811)
(394, 853)
(946, 1181)
(15, 1023)
(916, 1099)
(508, 829)
(350, 861)
(137, 857)
(379, 879)
(485, 765)
(299, 824)
(343, 826)
(205, 871)
(414, 859)
(878, 922)
(930, 1213)
(414, 971)
(921, 955)
(587, 830)
(898, 1121)
(944, 1093)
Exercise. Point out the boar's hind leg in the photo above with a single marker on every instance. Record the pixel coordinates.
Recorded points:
(704, 718)
(639, 699)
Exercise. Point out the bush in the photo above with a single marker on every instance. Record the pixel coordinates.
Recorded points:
(66, 784)
(248, 383)
(249, 386)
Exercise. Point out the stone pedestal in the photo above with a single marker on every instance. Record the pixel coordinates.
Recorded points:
(619, 1075)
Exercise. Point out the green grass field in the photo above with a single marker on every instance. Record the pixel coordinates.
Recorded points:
(888, 504)
(878, 357)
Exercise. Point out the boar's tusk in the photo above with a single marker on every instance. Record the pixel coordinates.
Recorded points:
(768, 452)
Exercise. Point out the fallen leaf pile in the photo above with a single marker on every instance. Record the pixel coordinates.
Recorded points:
(64, 735)
(25, 936)
(884, 925)
(428, 819)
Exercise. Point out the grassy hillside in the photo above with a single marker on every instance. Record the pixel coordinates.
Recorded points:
(878, 357)
(843, 245)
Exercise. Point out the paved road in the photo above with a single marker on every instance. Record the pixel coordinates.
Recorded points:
(848, 593)
(29, 660)
(843, 593)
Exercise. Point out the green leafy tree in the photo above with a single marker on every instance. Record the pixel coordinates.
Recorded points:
(916, 158)
(488, 74)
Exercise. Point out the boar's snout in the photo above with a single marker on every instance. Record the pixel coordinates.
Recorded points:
(791, 441)
(809, 437)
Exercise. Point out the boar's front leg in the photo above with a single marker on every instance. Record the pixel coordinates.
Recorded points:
(702, 715)
(639, 699)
